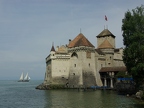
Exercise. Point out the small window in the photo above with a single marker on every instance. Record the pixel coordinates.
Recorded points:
(74, 65)
(110, 57)
(89, 64)
(73, 73)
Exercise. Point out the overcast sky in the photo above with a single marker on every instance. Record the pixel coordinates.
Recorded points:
(29, 27)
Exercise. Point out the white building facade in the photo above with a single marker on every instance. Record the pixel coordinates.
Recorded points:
(80, 64)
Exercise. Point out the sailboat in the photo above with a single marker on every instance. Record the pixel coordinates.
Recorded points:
(24, 79)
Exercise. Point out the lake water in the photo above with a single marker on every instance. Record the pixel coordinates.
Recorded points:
(15, 94)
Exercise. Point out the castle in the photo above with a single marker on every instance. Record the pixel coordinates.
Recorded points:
(80, 64)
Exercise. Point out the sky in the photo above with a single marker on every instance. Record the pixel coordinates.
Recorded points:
(29, 27)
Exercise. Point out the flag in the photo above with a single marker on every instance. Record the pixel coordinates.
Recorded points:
(106, 18)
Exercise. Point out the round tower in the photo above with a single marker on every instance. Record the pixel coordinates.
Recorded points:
(82, 63)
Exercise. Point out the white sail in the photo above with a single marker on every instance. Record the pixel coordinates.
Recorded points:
(22, 77)
(26, 77)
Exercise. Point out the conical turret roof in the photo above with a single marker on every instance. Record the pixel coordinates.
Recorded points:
(105, 44)
(80, 40)
(104, 33)
(52, 48)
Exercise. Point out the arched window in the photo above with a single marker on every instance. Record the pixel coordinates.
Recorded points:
(74, 55)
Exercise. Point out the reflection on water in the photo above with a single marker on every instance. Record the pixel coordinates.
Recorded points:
(24, 95)
(88, 99)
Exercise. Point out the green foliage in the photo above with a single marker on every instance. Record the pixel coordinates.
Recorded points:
(142, 97)
(133, 39)
(122, 74)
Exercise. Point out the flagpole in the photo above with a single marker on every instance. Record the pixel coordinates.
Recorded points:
(106, 19)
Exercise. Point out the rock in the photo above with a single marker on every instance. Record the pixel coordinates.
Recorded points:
(127, 95)
(125, 88)
(48, 87)
(139, 94)
(43, 87)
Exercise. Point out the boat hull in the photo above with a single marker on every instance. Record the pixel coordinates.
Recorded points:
(23, 81)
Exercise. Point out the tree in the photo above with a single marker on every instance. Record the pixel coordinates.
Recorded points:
(123, 74)
(133, 39)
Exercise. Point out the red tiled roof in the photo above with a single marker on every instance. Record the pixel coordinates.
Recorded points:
(105, 44)
(80, 40)
(113, 69)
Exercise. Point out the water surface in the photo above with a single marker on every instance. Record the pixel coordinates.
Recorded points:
(15, 94)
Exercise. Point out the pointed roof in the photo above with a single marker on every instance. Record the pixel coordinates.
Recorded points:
(104, 33)
(105, 44)
(80, 40)
(52, 49)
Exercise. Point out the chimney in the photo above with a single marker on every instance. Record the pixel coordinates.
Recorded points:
(69, 40)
